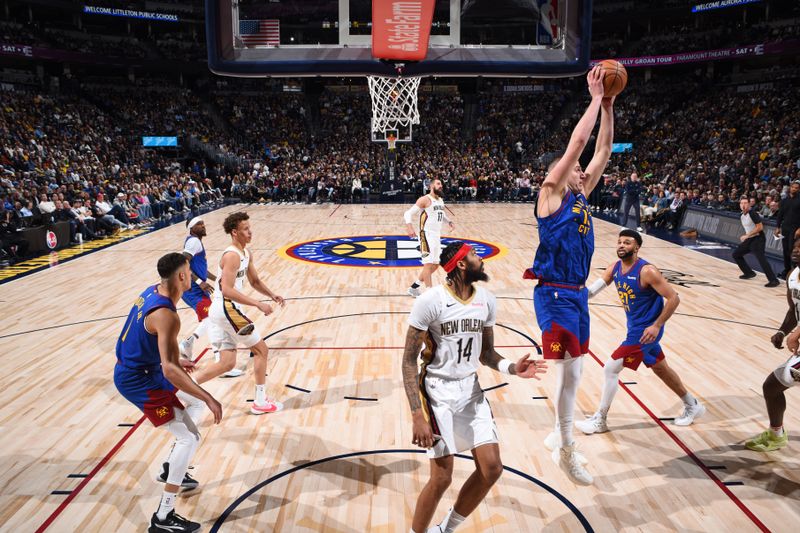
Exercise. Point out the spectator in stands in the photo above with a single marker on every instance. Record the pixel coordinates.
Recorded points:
(13, 247)
(630, 199)
(788, 222)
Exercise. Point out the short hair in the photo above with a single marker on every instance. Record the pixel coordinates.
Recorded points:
(633, 234)
(232, 221)
(744, 198)
(170, 263)
(447, 254)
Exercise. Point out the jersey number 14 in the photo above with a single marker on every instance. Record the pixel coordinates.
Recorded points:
(464, 351)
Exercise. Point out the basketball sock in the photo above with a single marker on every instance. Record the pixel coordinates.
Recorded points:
(167, 504)
(568, 376)
(261, 394)
(201, 329)
(688, 399)
(611, 384)
(777, 432)
(453, 521)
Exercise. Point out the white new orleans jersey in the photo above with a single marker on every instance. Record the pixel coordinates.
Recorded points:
(455, 330)
(432, 217)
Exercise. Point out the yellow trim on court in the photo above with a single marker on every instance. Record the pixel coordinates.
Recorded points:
(55, 257)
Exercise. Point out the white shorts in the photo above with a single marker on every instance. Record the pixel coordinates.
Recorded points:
(459, 414)
(789, 372)
(226, 319)
(430, 246)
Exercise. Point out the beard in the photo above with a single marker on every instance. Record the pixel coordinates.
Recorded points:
(471, 276)
(438, 192)
(623, 254)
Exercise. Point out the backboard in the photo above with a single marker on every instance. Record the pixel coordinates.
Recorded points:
(521, 38)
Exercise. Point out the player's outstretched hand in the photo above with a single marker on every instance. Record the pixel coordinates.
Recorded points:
(423, 434)
(595, 81)
(777, 340)
(279, 300)
(452, 227)
(265, 308)
(216, 409)
(187, 364)
(411, 233)
(530, 368)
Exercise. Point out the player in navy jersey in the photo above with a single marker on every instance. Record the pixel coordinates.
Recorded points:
(649, 301)
(198, 296)
(566, 245)
(150, 374)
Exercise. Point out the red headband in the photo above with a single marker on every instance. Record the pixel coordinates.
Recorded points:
(460, 254)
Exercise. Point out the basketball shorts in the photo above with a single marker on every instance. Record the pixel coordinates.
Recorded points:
(430, 246)
(198, 300)
(784, 372)
(633, 354)
(227, 319)
(563, 318)
(148, 390)
(459, 413)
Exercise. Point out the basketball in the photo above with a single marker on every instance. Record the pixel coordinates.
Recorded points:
(615, 77)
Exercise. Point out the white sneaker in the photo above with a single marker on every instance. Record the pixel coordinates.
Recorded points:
(270, 406)
(414, 292)
(186, 347)
(233, 373)
(553, 441)
(567, 458)
(435, 529)
(594, 424)
(690, 412)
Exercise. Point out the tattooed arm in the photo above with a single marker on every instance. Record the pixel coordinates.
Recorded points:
(524, 368)
(422, 433)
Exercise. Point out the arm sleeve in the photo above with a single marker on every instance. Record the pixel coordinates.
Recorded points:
(193, 246)
(755, 217)
(412, 212)
(424, 311)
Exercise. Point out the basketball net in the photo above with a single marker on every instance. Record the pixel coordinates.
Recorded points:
(394, 104)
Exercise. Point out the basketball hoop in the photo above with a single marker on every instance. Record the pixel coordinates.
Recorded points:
(394, 104)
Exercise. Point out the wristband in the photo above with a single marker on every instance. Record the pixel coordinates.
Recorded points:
(781, 332)
(504, 366)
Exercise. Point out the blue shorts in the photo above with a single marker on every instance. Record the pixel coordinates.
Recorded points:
(563, 316)
(633, 353)
(198, 300)
(149, 391)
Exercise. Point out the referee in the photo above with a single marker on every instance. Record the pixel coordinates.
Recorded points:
(753, 241)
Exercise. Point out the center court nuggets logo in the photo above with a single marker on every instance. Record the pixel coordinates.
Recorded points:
(373, 251)
(556, 347)
(162, 411)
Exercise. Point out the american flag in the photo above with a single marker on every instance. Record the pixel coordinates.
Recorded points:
(260, 32)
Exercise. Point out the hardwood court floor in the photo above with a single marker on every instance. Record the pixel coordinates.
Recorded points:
(61, 414)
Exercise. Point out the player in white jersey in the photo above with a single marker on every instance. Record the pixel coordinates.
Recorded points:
(449, 411)
(432, 215)
(230, 327)
(788, 374)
